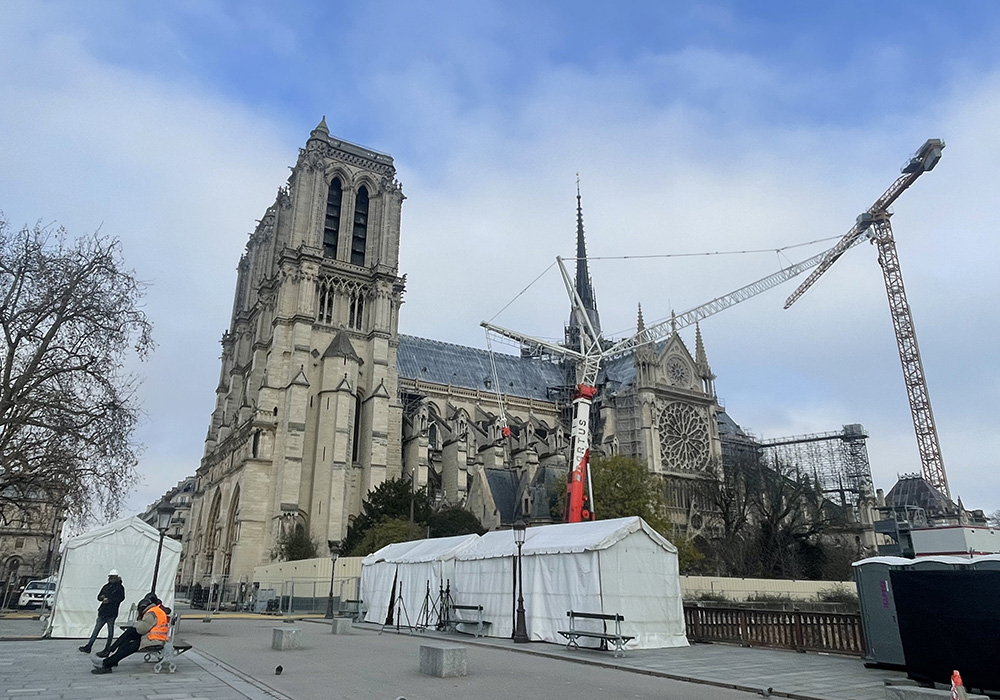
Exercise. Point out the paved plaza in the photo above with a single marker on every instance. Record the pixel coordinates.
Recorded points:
(232, 659)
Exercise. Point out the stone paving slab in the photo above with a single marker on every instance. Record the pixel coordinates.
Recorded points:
(232, 660)
(383, 667)
(786, 673)
(54, 669)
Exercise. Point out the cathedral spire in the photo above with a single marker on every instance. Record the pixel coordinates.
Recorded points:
(701, 362)
(322, 131)
(644, 354)
(699, 347)
(584, 287)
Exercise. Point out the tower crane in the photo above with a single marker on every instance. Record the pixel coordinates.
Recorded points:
(873, 224)
(593, 350)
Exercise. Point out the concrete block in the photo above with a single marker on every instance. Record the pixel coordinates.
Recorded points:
(911, 692)
(443, 660)
(340, 625)
(285, 638)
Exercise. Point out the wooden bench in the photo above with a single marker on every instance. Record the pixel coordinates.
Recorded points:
(353, 609)
(454, 620)
(618, 639)
(165, 653)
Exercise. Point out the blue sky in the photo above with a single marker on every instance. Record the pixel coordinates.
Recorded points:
(695, 127)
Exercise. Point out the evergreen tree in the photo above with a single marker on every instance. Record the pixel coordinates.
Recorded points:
(391, 499)
(453, 521)
(294, 546)
(623, 486)
(388, 531)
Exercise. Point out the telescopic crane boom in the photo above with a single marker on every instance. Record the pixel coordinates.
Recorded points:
(874, 224)
(592, 352)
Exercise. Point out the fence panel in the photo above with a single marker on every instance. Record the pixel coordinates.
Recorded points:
(803, 631)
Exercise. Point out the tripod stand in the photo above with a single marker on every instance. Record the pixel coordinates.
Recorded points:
(400, 610)
(428, 611)
(444, 612)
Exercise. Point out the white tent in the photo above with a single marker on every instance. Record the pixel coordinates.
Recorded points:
(607, 566)
(127, 545)
(414, 567)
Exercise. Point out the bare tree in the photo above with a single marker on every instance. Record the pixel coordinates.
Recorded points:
(732, 542)
(789, 516)
(771, 520)
(70, 318)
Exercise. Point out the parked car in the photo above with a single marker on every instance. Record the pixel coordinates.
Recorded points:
(37, 594)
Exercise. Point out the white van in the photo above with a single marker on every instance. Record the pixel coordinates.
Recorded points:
(37, 594)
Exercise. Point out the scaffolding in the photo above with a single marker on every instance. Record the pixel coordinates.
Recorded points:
(837, 461)
(628, 428)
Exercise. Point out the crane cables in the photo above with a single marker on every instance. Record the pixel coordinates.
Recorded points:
(504, 428)
(753, 251)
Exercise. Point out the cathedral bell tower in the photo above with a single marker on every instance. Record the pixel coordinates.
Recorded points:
(306, 419)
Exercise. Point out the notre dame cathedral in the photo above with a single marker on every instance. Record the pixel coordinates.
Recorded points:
(320, 398)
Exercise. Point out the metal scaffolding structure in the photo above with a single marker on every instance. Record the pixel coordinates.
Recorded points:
(838, 461)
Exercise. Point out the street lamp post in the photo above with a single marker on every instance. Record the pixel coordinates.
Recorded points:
(164, 511)
(334, 546)
(520, 628)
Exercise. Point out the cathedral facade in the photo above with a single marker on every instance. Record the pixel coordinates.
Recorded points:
(320, 398)
(307, 418)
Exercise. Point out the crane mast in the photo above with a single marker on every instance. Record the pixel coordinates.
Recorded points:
(874, 224)
(928, 445)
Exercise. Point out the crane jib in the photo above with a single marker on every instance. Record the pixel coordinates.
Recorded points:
(875, 223)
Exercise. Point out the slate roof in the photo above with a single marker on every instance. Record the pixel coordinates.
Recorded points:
(341, 346)
(619, 371)
(727, 426)
(462, 366)
(914, 490)
(504, 487)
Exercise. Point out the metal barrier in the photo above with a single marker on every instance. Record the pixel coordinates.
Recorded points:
(291, 596)
(803, 631)
(299, 596)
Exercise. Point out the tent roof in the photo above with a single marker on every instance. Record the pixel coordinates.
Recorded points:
(564, 538)
(939, 558)
(890, 561)
(134, 523)
(434, 549)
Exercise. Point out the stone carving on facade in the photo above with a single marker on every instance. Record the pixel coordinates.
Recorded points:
(283, 199)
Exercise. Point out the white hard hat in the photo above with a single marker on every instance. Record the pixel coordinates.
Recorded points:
(113, 572)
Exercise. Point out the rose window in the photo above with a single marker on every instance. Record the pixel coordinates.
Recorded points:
(683, 437)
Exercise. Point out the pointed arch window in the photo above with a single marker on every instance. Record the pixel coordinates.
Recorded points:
(356, 446)
(356, 311)
(233, 521)
(331, 227)
(359, 236)
(324, 302)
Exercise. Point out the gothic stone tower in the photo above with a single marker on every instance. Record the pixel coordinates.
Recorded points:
(307, 418)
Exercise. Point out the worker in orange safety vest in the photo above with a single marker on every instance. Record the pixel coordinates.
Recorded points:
(151, 629)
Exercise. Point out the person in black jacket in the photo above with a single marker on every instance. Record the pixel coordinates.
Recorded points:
(111, 596)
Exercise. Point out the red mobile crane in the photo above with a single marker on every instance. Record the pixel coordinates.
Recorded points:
(593, 350)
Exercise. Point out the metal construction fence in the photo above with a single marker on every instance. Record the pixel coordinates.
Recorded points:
(285, 596)
(800, 630)
(310, 596)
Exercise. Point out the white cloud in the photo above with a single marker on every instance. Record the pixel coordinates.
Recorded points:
(678, 152)
(178, 174)
(670, 180)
